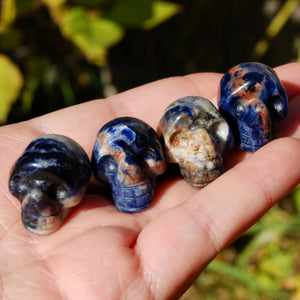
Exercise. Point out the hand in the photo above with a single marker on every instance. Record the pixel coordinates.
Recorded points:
(101, 253)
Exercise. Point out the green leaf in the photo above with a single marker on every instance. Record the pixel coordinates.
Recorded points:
(11, 82)
(251, 282)
(90, 33)
(35, 71)
(276, 262)
(24, 6)
(10, 39)
(67, 91)
(93, 3)
(270, 229)
(296, 197)
(162, 10)
(130, 12)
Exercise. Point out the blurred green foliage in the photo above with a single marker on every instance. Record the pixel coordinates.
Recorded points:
(277, 23)
(71, 51)
(59, 47)
(11, 81)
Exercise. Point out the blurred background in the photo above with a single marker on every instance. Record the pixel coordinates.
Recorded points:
(56, 53)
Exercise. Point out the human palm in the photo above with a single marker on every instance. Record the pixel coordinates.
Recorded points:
(101, 253)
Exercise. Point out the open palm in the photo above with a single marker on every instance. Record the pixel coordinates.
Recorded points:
(101, 253)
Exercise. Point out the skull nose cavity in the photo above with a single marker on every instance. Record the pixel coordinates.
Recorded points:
(255, 118)
(130, 172)
(40, 214)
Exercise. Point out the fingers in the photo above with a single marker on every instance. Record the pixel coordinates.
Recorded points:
(179, 243)
(289, 76)
(82, 122)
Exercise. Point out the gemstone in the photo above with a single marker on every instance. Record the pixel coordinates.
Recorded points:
(49, 179)
(195, 136)
(128, 157)
(252, 99)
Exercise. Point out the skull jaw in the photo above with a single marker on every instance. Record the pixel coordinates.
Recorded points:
(43, 225)
(200, 178)
(135, 198)
(251, 139)
(45, 216)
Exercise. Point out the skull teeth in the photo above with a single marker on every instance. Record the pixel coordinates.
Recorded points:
(42, 225)
(200, 178)
(248, 139)
(132, 191)
(133, 199)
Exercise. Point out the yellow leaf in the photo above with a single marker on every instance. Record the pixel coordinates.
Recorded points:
(7, 13)
(54, 2)
(162, 10)
(11, 82)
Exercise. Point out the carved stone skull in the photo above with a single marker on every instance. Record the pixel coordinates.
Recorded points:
(128, 156)
(252, 99)
(195, 137)
(49, 179)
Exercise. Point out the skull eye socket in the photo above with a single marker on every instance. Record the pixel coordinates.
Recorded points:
(61, 192)
(222, 136)
(277, 107)
(178, 139)
(18, 186)
(144, 154)
(239, 108)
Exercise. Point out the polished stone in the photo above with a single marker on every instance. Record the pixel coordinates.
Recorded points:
(195, 136)
(48, 179)
(252, 99)
(128, 157)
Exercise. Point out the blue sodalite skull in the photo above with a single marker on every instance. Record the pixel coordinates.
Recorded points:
(252, 98)
(195, 137)
(48, 179)
(128, 156)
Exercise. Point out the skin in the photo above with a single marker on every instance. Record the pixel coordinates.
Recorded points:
(100, 253)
